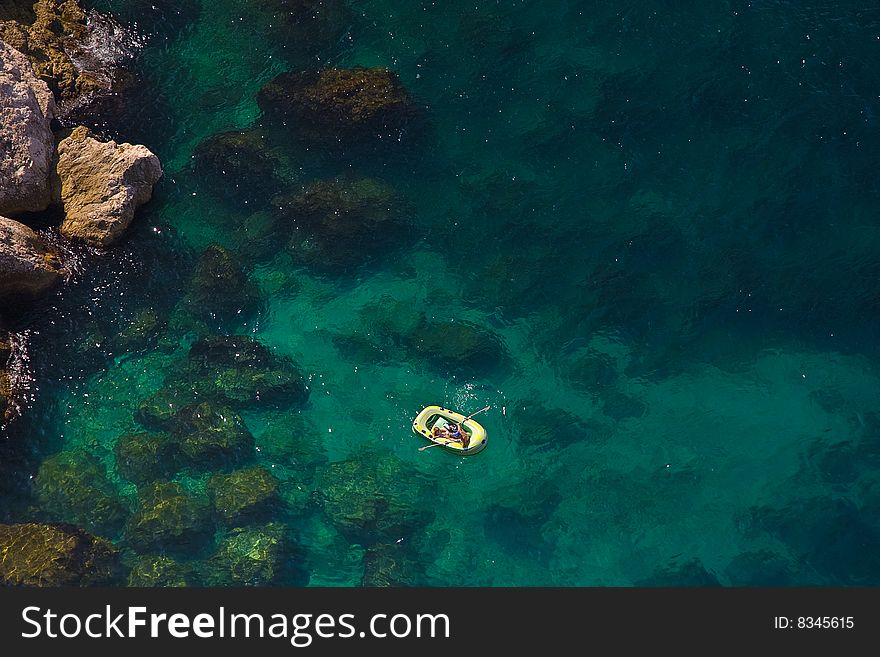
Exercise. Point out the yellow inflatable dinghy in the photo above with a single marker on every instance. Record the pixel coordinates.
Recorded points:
(437, 416)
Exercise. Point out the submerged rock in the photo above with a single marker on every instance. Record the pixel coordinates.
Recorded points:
(242, 372)
(388, 323)
(370, 500)
(28, 265)
(169, 519)
(762, 568)
(139, 332)
(458, 344)
(73, 486)
(244, 495)
(255, 556)
(256, 237)
(690, 574)
(392, 318)
(620, 406)
(102, 184)
(519, 528)
(540, 427)
(237, 165)
(159, 409)
(339, 104)
(212, 436)
(292, 440)
(833, 536)
(390, 564)
(304, 27)
(158, 571)
(591, 370)
(55, 555)
(394, 328)
(219, 289)
(26, 141)
(337, 225)
(145, 457)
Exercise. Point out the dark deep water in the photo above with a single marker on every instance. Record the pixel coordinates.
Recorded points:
(647, 235)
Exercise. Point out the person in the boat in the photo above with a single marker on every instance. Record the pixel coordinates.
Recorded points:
(454, 433)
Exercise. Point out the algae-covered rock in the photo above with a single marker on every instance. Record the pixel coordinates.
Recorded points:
(219, 289)
(690, 574)
(620, 406)
(763, 568)
(145, 457)
(538, 426)
(292, 440)
(139, 332)
(102, 184)
(392, 320)
(243, 373)
(237, 165)
(26, 109)
(340, 104)
(832, 536)
(370, 499)
(158, 571)
(390, 564)
(398, 328)
(212, 436)
(168, 518)
(244, 495)
(255, 556)
(386, 325)
(73, 486)
(29, 266)
(458, 344)
(591, 370)
(337, 225)
(501, 281)
(256, 237)
(159, 409)
(55, 555)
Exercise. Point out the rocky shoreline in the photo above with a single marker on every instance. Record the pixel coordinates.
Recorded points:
(49, 71)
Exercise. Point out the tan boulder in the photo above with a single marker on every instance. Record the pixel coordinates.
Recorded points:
(101, 186)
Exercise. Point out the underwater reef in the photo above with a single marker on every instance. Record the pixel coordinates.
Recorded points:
(55, 555)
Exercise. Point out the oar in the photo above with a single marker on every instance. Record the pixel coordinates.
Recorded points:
(422, 449)
(472, 414)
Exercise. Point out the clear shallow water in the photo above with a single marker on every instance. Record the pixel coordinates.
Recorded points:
(666, 216)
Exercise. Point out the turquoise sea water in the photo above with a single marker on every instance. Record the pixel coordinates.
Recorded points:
(666, 215)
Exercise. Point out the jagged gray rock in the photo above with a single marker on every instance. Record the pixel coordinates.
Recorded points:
(26, 141)
(28, 264)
